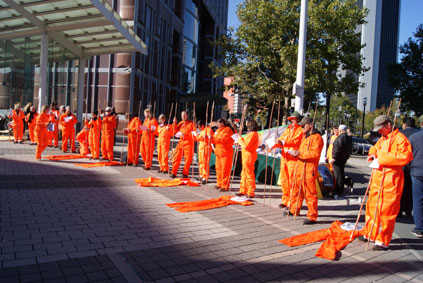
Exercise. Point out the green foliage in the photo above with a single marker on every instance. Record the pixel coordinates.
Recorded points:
(407, 76)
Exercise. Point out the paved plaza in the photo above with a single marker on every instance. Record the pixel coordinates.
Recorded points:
(63, 223)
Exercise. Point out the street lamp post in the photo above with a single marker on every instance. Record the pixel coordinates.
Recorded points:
(340, 112)
(364, 115)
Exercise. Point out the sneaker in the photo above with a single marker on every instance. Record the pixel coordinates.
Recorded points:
(308, 222)
(362, 239)
(380, 247)
(159, 171)
(281, 205)
(217, 187)
(418, 234)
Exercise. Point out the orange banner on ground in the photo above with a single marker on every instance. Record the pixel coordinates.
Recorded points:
(206, 204)
(154, 182)
(99, 164)
(64, 157)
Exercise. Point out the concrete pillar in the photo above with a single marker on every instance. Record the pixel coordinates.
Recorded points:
(299, 91)
(42, 91)
(80, 91)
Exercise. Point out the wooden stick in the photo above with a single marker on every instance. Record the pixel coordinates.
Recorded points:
(267, 154)
(137, 150)
(273, 151)
(173, 139)
(195, 129)
(209, 139)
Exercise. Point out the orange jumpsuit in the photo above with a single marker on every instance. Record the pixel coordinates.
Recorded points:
(164, 133)
(31, 125)
(330, 148)
(54, 135)
(249, 146)
(185, 147)
(292, 136)
(393, 152)
(18, 125)
(134, 135)
(68, 131)
(223, 151)
(148, 141)
(94, 137)
(204, 152)
(41, 136)
(306, 170)
(82, 138)
(107, 139)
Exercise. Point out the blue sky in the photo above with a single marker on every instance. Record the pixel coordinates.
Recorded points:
(411, 16)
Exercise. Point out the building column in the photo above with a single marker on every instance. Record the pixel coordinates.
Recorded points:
(80, 92)
(42, 91)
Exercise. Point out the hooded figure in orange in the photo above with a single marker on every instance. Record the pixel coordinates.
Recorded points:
(391, 152)
(134, 134)
(94, 125)
(82, 138)
(164, 132)
(204, 150)
(68, 121)
(18, 125)
(148, 139)
(224, 152)
(185, 146)
(249, 146)
(41, 135)
(54, 134)
(290, 140)
(308, 156)
(108, 134)
(31, 118)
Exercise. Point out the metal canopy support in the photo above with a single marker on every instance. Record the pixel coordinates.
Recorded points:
(119, 25)
(42, 91)
(80, 91)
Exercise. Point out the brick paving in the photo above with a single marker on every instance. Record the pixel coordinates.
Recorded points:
(63, 223)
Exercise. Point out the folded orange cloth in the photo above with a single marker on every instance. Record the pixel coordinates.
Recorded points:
(206, 204)
(64, 157)
(154, 182)
(98, 164)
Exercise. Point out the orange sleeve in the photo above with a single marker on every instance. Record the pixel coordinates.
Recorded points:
(296, 138)
(224, 136)
(250, 142)
(313, 152)
(27, 117)
(400, 153)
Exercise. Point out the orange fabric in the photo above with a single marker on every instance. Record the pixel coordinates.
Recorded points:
(134, 135)
(154, 182)
(64, 157)
(393, 152)
(54, 135)
(68, 131)
(249, 146)
(306, 170)
(107, 138)
(82, 138)
(31, 126)
(206, 204)
(184, 148)
(41, 136)
(335, 240)
(99, 164)
(164, 132)
(204, 152)
(18, 125)
(94, 136)
(291, 137)
(330, 148)
(148, 141)
(224, 152)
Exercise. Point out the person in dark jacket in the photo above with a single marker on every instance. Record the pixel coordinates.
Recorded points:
(340, 154)
(408, 128)
(416, 172)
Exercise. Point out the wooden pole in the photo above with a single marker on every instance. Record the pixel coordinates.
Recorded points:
(195, 129)
(273, 151)
(173, 138)
(267, 155)
(209, 138)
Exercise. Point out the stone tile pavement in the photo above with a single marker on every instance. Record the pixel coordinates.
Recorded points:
(63, 223)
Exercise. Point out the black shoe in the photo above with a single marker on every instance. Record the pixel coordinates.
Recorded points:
(223, 190)
(21, 142)
(240, 194)
(380, 248)
(308, 222)
(248, 196)
(173, 175)
(134, 165)
(165, 172)
(204, 181)
(217, 187)
(147, 168)
(282, 205)
(73, 151)
(418, 234)
(184, 176)
(362, 238)
(159, 171)
(56, 146)
(287, 213)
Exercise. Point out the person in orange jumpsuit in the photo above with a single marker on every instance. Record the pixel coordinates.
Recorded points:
(108, 133)
(67, 121)
(18, 123)
(148, 139)
(204, 150)
(164, 133)
(391, 152)
(82, 138)
(290, 140)
(329, 156)
(31, 120)
(185, 145)
(41, 135)
(308, 156)
(94, 126)
(249, 146)
(54, 134)
(224, 151)
(133, 132)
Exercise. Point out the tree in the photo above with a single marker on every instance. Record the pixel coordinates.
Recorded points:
(262, 53)
(407, 76)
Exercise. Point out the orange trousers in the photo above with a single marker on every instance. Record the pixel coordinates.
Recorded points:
(163, 154)
(248, 178)
(94, 144)
(54, 135)
(107, 142)
(68, 134)
(286, 175)
(223, 169)
(206, 204)
(41, 138)
(133, 148)
(18, 130)
(204, 161)
(31, 130)
(307, 190)
(184, 148)
(147, 149)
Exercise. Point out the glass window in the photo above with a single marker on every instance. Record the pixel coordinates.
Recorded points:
(191, 27)
(191, 6)
(190, 54)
